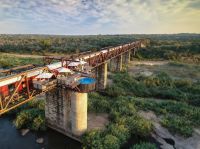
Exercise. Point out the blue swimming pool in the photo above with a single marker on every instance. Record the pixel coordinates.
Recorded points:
(87, 81)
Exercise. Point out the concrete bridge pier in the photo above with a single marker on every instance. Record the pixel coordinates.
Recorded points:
(112, 65)
(102, 76)
(133, 53)
(115, 64)
(66, 111)
(119, 63)
(127, 57)
(79, 113)
(57, 110)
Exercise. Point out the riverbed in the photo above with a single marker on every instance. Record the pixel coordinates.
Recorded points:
(11, 138)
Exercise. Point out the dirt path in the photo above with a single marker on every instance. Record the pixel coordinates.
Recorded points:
(22, 55)
(151, 63)
(97, 121)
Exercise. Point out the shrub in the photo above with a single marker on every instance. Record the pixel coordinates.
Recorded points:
(115, 91)
(120, 131)
(93, 140)
(139, 126)
(31, 116)
(97, 103)
(124, 107)
(21, 120)
(144, 146)
(38, 123)
(111, 142)
(158, 86)
(178, 125)
(39, 104)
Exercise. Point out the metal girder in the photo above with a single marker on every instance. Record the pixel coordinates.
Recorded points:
(102, 57)
(18, 98)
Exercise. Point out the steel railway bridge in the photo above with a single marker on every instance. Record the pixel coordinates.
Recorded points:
(60, 79)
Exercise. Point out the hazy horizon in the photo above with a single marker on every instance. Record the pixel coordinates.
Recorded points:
(96, 34)
(94, 17)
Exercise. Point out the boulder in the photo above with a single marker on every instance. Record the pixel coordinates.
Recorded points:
(24, 132)
(40, 140)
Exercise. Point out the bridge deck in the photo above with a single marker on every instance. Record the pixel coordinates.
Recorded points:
(21, 84)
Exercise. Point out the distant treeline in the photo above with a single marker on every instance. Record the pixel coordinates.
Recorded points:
(183, 48)
(43, 44)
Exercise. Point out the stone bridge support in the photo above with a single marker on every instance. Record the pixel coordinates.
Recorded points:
(119, 63)
(112, 65)
(66, 111)
(101, 76)
(132, 53)
(79, 113)
(57, 110)
(116, 64)
(127, 58)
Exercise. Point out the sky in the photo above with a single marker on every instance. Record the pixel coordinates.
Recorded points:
(83, 17)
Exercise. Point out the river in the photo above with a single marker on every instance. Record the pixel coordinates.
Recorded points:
(11, 138)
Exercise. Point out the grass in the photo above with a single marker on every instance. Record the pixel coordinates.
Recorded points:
(7, 61)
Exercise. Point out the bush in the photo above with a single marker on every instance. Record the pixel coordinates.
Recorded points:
(124, 122)
(93, 140)
(120, 131)
(178, 125)
(144, 146)
(31, 116)
(39, 104)
(111, 142)
(21, 120)
(115, 91)
(158, 86)
(97, 103)
(161, 80)
(139, 126)
(124, 107)
(179, 117)
(38, 123)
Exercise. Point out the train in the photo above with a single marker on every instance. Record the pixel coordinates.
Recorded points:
(10, 83)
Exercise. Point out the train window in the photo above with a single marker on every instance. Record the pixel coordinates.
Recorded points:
(11, 87)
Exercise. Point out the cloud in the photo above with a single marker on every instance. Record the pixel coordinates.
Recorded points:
(99, 16)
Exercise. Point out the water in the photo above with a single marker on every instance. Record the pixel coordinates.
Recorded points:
(87, 81)
(11, 138)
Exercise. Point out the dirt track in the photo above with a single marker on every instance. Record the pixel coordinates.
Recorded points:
(22, 55)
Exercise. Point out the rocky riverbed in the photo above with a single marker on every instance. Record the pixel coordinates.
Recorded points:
(11, 138)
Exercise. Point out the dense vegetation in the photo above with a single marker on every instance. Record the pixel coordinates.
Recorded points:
(121, 103)
(144, 146)
(124, 123)
(160, 85)
(44, 44)
(185, 50)
(31, 116)
(178, 47)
